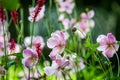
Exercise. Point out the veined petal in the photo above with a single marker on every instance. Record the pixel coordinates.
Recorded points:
(49, 70)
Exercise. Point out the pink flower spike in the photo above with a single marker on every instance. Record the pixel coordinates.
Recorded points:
(32, 12)
(91, 14)
(30, 58)
(108, 45)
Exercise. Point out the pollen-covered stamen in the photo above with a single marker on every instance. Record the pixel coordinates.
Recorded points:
(14, 16)
(39, 50)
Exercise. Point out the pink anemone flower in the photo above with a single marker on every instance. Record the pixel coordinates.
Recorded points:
(30, 58)
(57, 43)
(57, 66)
(66, 6)
(108, 45)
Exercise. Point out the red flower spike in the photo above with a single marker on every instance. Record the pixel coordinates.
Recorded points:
(12, 45)
(39, 50)
(14, 16)
(2, 14)
(38, 9)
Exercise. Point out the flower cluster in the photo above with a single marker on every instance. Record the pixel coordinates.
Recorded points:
(108, 45)
(33, 54)
(85, 24)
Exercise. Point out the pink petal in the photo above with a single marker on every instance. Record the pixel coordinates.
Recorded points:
(102, 48)
(27, 53)
(52, 42)
(91, 14)
(49, 70)
(111, 38)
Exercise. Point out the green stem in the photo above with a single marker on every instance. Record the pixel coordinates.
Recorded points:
(20, 36)
(28, 73)
(32, 33)
(118, 64)
(5, 47)
(111, 72)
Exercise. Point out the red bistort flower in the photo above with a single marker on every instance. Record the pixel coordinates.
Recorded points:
(14, 16)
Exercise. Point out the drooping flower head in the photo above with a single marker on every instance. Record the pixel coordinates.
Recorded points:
(30, 58)
(57, 43)
(58, 65)
(108, 45)
(14, 16)
(37, 13)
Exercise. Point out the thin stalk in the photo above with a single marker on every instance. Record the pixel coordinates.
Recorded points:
(111, 72)
(5, 47)
(33, 2)
(32, 33)
(17, 28)
(117, 60)
(118, 64)
(20, 37)
(29, 74)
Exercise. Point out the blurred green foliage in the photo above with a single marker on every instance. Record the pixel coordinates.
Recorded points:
(10, 4)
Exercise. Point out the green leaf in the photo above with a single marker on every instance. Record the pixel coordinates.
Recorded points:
(10, 4)
(16, 54)
(118, 42)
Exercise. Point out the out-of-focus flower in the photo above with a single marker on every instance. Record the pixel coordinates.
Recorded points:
(88, 18)
(68, 23)
(2, 14)
(57, 66)
(30, 58)
(34, 74)
(82, 29)
(3, 24)
(86, 23)
(74, 65)
(14, 16)
(108, 45)
(3, 21)
(59, 1)
(2, 71)
(66, 6)
(36, 40)
(37, 44)
(32, 14)
(61, 17)
(81, 65)
(13, 48)
(57, 43)
(1, 42)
